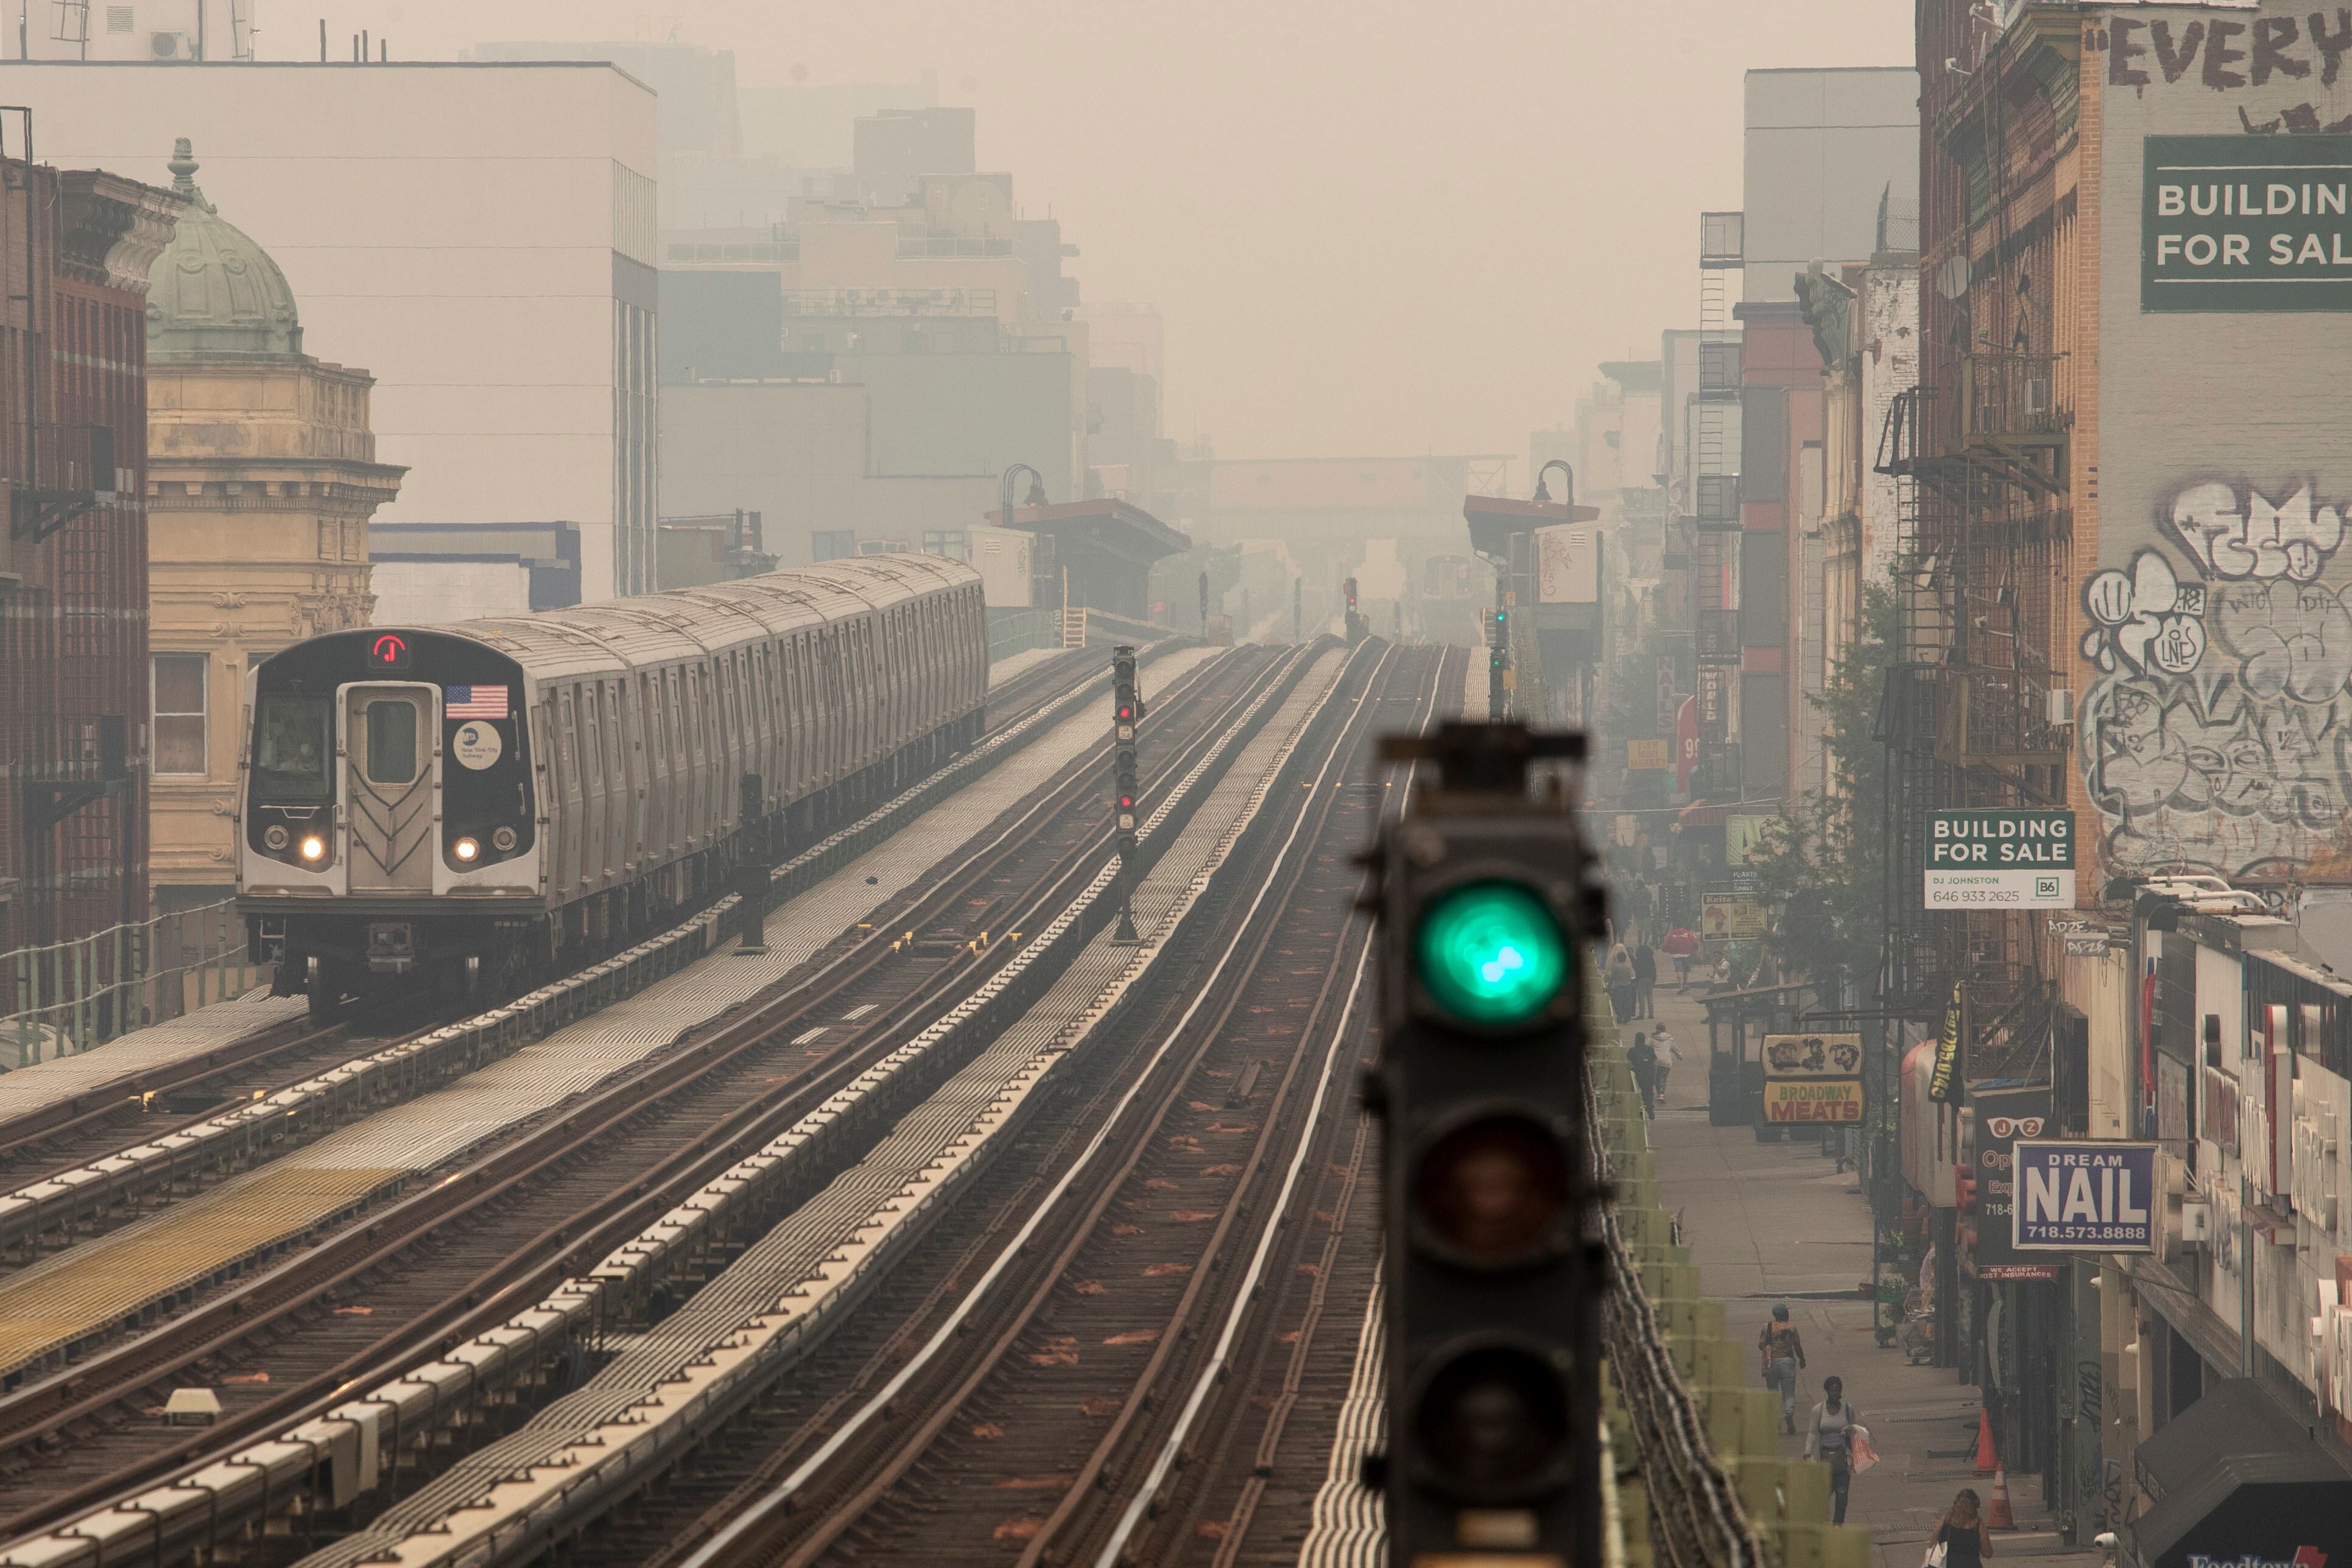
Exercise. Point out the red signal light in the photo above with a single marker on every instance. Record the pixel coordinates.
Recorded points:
(1125, 711)
(1126, 802)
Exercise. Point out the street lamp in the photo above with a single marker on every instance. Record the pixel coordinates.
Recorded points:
(1568, 481)
(1004, 490)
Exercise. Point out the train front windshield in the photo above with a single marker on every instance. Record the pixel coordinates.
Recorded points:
(293, 750)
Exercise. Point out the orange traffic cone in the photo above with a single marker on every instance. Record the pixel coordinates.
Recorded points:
(2001, 1518)
(1987, 1460)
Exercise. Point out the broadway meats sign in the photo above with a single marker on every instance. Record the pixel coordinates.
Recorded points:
(1812, 1078)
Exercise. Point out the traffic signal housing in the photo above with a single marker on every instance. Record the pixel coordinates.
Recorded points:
(1493, 1287)
(1127, 711)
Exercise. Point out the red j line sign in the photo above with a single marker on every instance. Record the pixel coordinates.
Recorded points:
(2246, 223)
(2000, 860)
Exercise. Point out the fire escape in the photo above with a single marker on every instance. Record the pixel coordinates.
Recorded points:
(1975, 713)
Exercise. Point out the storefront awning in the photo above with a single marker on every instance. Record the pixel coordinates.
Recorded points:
(2235, 1477)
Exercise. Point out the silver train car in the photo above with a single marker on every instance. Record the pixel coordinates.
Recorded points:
(491, 801)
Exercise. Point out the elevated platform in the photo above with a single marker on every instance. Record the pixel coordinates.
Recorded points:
(1107, 547)
(47, 1084)
(74, 1294)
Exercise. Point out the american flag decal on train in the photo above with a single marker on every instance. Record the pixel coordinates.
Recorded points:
(474, 702)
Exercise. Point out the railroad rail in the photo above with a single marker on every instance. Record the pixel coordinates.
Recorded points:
(76, 1200)
(967, 1371)
(677, 1242)
(290, 1289)
(70, 1112)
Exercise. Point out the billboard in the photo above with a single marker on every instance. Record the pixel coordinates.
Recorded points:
(1567, 564)
(1641, 753)
(1999, 859)
(2232, 225)
(1724, 917)
(2002, 1117)
(2086, 1197)
(1812, 1078)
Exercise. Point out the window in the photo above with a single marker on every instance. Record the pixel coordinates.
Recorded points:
(949, 542)
(832, 544)
(391, 742)
(290, 751)
(179, 697)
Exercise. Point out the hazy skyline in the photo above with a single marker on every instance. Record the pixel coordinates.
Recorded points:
(1373, 229)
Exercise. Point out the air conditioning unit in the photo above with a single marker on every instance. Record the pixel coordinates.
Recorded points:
(2061, 705)
(170, 47)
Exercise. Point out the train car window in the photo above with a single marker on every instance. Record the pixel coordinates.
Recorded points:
(292, 751)
(391, 741)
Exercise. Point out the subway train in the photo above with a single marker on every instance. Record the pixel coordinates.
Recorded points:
(489, 803)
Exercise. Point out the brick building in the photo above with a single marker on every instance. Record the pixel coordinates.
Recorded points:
(75, 247)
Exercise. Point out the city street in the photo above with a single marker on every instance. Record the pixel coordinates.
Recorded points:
(1778, 1222)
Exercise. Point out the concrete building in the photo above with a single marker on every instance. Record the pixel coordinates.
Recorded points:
(1822, 148)
(807, 456)
(482, 236)
(169, 30)
(75, 247)
(862, 374)
(261, 477)
(426, 572)
(1827, 155)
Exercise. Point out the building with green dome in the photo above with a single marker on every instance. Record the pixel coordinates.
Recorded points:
(261, 477)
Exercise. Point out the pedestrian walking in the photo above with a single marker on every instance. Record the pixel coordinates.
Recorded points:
(1682, 947)
(1663, 1046)
(1829, 1438)
(1784, 1352)
(1620, 983)
(1645, 979)
(1961, 1540)
(1644, 1061)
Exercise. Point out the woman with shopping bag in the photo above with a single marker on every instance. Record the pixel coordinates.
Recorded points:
(1830, 1438)
(1961, 1539)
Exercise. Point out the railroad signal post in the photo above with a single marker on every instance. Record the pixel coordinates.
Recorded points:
(1127, 712)
(1492, 1285)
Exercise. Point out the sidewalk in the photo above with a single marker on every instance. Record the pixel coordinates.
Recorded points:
(1777, 1222)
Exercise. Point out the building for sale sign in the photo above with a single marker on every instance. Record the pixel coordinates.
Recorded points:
(2000, 860)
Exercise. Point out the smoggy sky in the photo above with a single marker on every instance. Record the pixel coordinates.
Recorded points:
(1376, 227)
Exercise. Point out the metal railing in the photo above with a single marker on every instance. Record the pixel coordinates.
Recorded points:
(69, 997)
(2012, 397)
(1083, 627)
(1012, 632)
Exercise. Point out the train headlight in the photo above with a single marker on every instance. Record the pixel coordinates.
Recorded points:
(276, 837)
(502, 840)
(314, 848)
(466, 849)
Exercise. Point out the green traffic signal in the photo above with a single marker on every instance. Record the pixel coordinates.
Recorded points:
(1491, 954)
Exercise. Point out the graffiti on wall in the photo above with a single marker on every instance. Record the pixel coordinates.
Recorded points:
(2220, 733)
